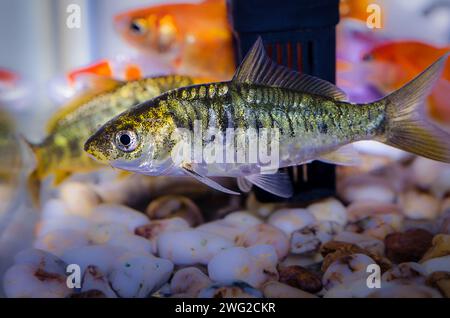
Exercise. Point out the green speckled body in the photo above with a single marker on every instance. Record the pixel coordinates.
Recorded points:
(62, 150)
(309, 125)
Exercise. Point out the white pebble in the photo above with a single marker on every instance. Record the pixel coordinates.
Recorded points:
(351, 289)
(424, 172)
(139, 275)
(419, 205)
(103, 256)
(442, 184)
(308, 240)
(366, 242)
(329, 210)
(190, 247)
(438, 264)
(155, 228)
(28, 281)
(70, 222)
(102, 233)
(222, 228)
(38, 258)
(289, 220)
(120, 214)
(347, 270)
(254, 265)
(132, 243)
(265, 234)
(367, 189)
(188, 282)
(80, 198)
(408, 272)
(94, 279)
(58, 241)
(242, 219)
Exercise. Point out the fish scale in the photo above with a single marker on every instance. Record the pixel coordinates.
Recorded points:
(296, 114)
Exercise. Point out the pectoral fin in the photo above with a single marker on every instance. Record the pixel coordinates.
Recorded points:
(279, 184)
(346, 155)
(209, 182)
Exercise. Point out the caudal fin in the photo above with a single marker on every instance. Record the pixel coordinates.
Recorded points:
(408, 127)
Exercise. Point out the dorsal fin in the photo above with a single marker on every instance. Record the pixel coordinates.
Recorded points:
(258, 68)
(97, 85)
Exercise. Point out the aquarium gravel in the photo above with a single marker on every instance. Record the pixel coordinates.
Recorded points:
(391, 216)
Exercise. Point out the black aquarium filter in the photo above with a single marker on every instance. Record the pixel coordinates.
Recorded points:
(299, 34)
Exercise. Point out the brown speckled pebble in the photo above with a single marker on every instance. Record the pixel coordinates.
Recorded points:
(299, 277)
(407, 246)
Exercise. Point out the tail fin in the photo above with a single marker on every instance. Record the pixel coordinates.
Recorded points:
(408, 127)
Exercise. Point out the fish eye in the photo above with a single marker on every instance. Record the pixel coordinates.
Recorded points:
(137, 26)
(126, 140)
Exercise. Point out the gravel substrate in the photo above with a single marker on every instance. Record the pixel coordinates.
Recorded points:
(394, 214)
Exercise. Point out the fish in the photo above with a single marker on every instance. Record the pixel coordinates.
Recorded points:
(188, 36)
(312, 117)
(11, 157)
(409, 57)
(61, 152)
(359, 9)
(400, 61)
(130, 71)
(121, 67)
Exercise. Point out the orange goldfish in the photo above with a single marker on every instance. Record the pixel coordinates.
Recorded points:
(407, 58)
(358, 9)
(124, 68)
(410, 56)
(195, 39)
(104, 68)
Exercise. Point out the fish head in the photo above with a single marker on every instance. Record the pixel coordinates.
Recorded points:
(137, 140)
(150, 30)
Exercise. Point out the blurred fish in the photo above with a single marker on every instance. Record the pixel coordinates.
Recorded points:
(358, 9)
(61, 153)
(14, 91)
(130, 71)
(7, 77)
(194, 38)
(10, 150)
(409, 56)
(125, 68)
(404, 59)
(312, 118)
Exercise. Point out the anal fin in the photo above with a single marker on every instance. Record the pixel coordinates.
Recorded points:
(346, 155)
